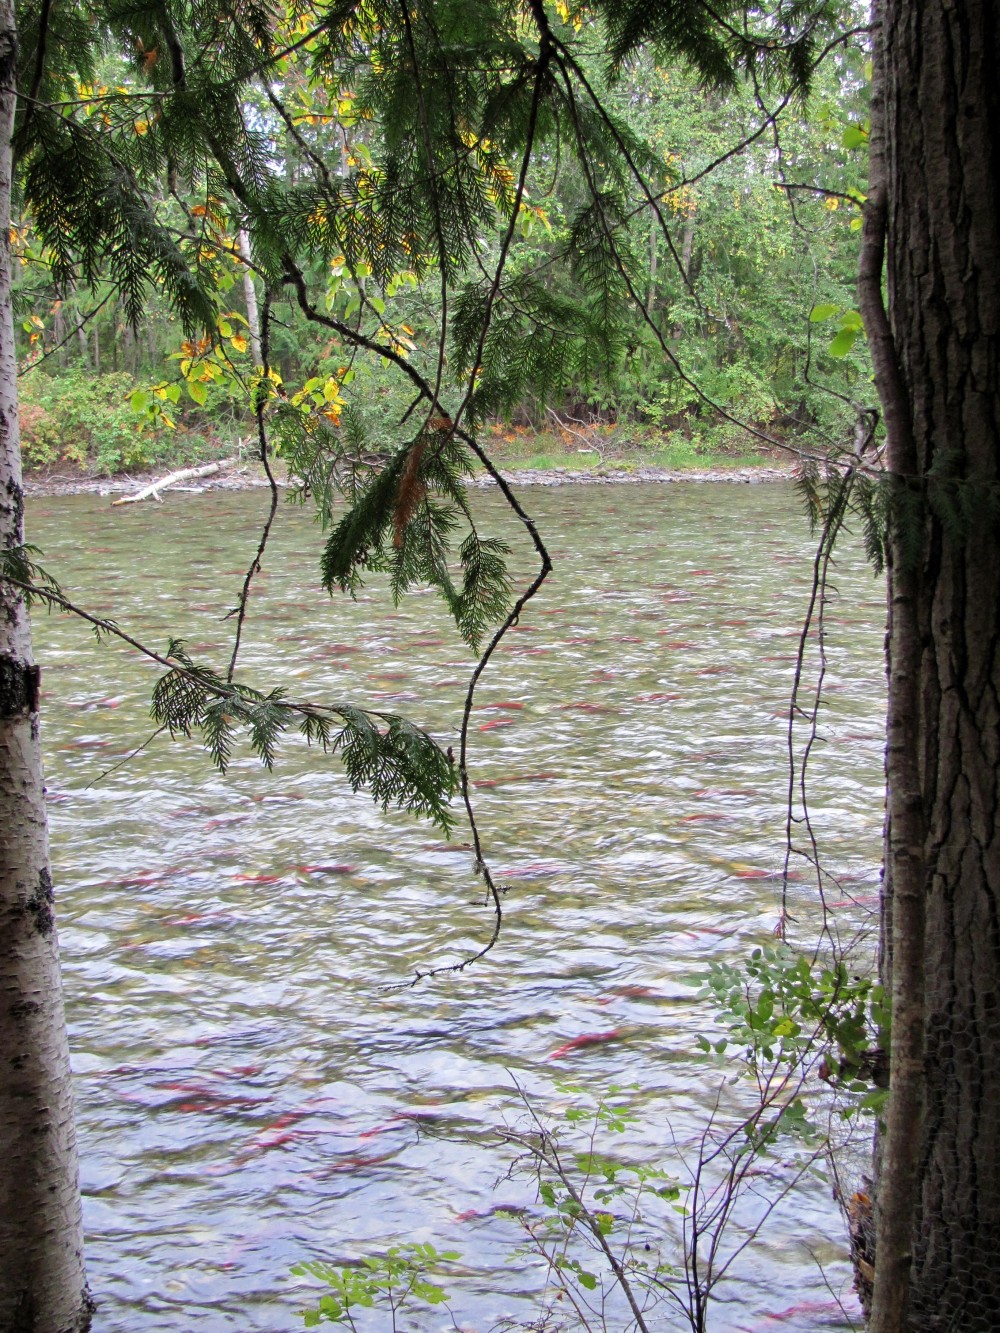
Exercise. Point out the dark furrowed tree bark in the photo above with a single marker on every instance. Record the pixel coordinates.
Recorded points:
(902, 942)
(42, 1283)
(938, 1212)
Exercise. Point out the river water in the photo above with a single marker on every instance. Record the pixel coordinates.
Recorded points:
(254, 1089)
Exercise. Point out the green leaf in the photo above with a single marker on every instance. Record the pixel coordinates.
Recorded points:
(843, 342)
(821, 312)
(855, 136)
(198, 392)
(140, 400)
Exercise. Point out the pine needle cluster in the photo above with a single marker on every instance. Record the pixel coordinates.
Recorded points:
(400, 764)
(403, 522)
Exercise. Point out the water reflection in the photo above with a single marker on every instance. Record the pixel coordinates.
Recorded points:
(252, 1089)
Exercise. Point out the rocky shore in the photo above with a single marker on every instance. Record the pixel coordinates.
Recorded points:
(244, 477)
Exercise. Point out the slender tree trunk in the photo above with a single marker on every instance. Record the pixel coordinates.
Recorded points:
(131, 353)
(81, 332)
(654, 236)
(59, 331)
(81, 338)
(42, 1283)
(687, 248)
(250, 296)
(937, 1262)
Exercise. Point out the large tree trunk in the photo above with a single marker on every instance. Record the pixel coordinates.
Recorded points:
(42, 1283)
(937, 1261)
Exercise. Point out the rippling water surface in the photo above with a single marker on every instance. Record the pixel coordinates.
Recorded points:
(252, 1090)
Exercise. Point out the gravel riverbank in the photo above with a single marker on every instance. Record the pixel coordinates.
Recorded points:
(244, 477)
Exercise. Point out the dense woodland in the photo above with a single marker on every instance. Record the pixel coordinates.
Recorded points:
(761, 235)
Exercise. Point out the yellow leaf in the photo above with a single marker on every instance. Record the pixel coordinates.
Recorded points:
(239, 342)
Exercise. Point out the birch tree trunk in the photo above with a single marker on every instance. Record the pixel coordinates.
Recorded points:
(937, 1261)
(42, 1284)
(250, 296)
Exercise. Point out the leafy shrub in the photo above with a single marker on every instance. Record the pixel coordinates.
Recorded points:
(86, 420)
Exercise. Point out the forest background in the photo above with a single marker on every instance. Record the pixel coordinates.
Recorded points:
(754, 294)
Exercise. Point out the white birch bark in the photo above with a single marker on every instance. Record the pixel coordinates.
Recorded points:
(250, 295)
(42, 1284)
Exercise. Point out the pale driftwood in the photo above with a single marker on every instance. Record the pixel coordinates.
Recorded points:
(153, 490)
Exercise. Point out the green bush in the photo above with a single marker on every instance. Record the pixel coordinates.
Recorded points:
(86, 420)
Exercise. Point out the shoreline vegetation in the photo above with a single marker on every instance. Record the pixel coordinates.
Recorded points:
(524, 459)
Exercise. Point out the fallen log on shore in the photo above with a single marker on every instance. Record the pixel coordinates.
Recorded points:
(152, 491)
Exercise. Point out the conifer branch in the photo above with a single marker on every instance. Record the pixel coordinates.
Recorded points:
(260, 406)
(44, 16)
(439, 231)
(401, 764)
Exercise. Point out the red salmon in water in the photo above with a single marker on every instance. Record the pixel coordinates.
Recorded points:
(223, 821)
(142, 879)
(536, 870)
(863, 900)
(804, 1308)
(582, 1042)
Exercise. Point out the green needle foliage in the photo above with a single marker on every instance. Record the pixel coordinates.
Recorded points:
(397, 762)
(403, 522)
